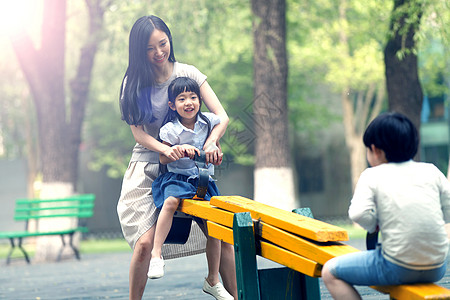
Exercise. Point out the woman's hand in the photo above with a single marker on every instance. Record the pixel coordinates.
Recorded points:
(190, 150)
(174, 153)
(213, 153)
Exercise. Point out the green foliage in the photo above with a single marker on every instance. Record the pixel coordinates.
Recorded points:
(14, 102)
(321, 53)
(433, 43)
(434, 64)
(238, 140)
(216, 37)
(406, 17)
(428, 18)
(108, 138)
(321, 65)
(17, 115)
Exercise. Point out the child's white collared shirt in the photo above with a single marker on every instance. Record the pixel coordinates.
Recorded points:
(176, 133)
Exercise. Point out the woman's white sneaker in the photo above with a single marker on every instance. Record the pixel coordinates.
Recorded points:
(217, 291)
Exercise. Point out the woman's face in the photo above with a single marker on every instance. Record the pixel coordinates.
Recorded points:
(158, 48)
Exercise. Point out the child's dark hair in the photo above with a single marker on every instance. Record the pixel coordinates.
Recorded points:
(135, 102)
(178, 86)
(395, 134)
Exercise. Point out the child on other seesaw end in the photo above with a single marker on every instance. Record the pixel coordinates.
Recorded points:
(408, 201)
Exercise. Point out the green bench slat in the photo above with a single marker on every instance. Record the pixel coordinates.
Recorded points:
(34, 201)
(78, 215)
(79, 206)
(38, 208)
(81, 198)
(22, 234)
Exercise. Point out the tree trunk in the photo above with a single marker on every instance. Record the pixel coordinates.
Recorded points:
(402, 80)
(44, 70)
(274, 182)
(59, 138)
(79, 86)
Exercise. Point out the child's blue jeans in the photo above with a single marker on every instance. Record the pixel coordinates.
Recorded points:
(371, 268)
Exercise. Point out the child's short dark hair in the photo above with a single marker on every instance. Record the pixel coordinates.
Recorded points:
(395, 134)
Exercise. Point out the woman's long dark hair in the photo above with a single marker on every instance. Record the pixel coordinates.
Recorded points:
(135, 91)
(178, 86)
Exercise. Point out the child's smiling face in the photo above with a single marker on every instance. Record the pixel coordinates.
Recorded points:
(187, 105)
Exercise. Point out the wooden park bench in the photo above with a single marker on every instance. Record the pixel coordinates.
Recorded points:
(292, 239)
(78, 206)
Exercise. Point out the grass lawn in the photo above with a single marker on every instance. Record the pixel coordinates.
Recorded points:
(86, 246)
(355, 232)
(104, 246)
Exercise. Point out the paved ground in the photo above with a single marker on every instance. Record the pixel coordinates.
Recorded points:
(99, 276)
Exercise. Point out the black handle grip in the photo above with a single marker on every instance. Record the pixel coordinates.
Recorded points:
(200, 158)
(371, 240)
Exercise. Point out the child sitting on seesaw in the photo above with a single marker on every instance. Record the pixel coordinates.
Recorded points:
(186, 128)
(407, 201)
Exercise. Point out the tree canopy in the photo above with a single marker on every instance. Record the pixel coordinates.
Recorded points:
(216, 36)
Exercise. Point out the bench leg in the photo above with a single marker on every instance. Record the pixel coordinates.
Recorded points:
(13, 246)
(8, 259)
(245, 255)
(62, 247)
(23, 251)
(74, 249)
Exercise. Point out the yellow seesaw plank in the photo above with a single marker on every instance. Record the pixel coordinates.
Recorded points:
(204, 210)
(290, 259)
(415, 291)
(272, 252)
(319, 252)
(220, 232)
(286, 220)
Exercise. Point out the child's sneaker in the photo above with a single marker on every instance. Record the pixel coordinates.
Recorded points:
(156, 268)
(217, 291)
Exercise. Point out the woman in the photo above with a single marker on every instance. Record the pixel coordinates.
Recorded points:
(143, 102)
